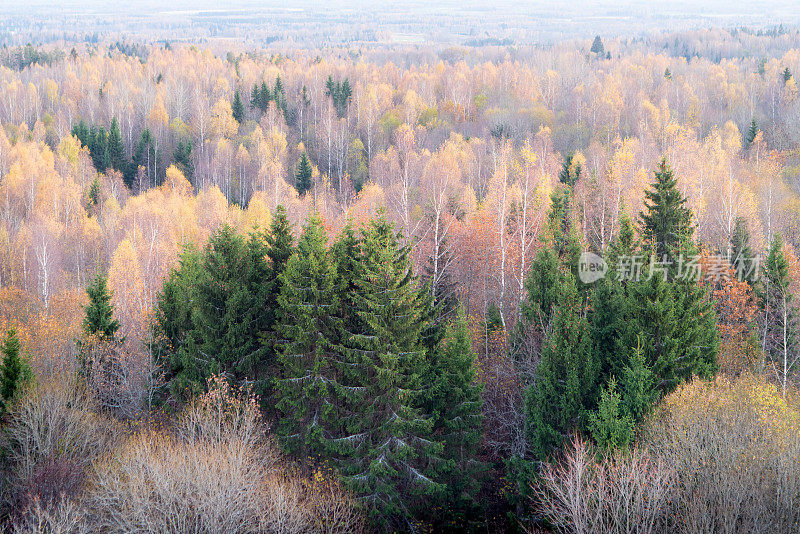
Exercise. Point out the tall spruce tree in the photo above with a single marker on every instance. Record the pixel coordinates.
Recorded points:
(237, 107)
(666, 221)
(15, 370)
(752, 132)
(566, 384)
(453, 399)
(304, 176)
(99, 321)
(229, 313)
(174, 311)
(116, 149)
(389, 454)
(307, 388)
(597, 46)
(677, 327)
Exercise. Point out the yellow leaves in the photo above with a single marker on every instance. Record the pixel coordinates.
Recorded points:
(175, 182)
(222, 122)
(158, 115)
(790, 90)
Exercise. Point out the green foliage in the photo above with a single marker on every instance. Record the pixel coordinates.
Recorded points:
(237, 107)
(260, 97)
(677, 326)
(144, 156)
(752, 132)
(212, 311)
(666, 221)
(742, 256)
(304, 175)
(182, 156)
(98, 321)
(15, 370)
(453, 399)
(566, 382)
(340, 93)
(597, 46)
(610, 426)
(94, 192)
(105, 146)
(787, 75)
(308, 388)
(389, 453)
(570, 173)
(639, 392)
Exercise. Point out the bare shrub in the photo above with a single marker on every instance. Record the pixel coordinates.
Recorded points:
(622, 492)
(735, 446)
(217, 474)
(53, 434)
(123, 375)
(59, 517)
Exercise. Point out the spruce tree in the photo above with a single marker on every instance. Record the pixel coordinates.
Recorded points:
(566, 382)
(666, 221)
(787, 75)
(752, 132)
(99, 322)
(229, 312)
(116, 149)
(388, 454)
(677, 327)
(237, 107)
(597, 46)
(304, 175)
(182, 156)
(15, 371)
(453, 399)
(638, 384)
(174, 311)
(609, 425)
(307, 385)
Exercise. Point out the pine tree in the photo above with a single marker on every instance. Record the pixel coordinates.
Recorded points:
(667, 74)
(237, 107)
(787, 75)
(597, 46)
(741, 255)
(388, 455)
(98, 321)
(15, 371)
(453, 399)
(307, 388)
(778, 316)
(304, 176)
(667, 222)
(567, 377)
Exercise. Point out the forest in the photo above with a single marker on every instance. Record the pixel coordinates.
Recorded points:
(491, 287)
